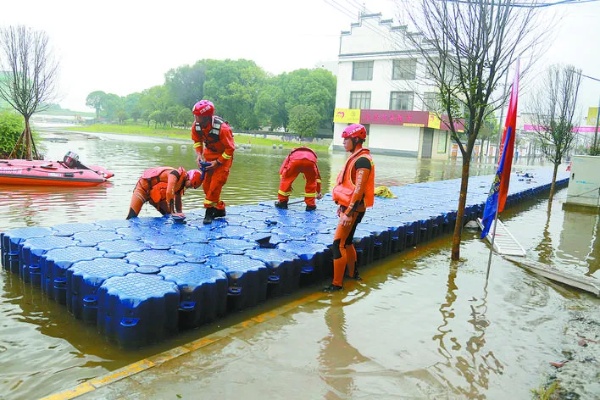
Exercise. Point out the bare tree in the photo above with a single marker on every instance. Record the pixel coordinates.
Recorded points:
(469, 46)
(29, 76)
(553, 112)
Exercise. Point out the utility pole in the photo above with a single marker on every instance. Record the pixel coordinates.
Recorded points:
(597, 120)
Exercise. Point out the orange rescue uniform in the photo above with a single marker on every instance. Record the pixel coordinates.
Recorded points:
(159, 186)
(354, 192)
(300, 160)
(215, 142)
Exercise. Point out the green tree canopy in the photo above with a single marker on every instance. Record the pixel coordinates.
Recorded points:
(304, 121)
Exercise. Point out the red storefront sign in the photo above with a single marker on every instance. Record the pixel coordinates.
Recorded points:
(394, 117)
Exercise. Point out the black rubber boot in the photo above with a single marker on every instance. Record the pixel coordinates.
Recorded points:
(219, 213)
(311, 208)
(209, 215)
(281, 204)
(332, 288)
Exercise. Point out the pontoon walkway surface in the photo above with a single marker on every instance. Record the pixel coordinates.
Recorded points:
(145, 279)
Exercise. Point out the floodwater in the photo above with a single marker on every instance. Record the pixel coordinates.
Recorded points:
(418, 326)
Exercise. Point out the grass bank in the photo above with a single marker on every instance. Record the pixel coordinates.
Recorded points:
(184, 134)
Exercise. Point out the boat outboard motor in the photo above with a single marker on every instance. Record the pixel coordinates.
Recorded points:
(71, 159)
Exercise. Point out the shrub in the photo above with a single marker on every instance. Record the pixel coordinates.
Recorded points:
(11, 127)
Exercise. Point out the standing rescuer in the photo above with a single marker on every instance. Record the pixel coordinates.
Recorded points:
(163, 187)
(214, 146)
(353, 192)
(301, 160)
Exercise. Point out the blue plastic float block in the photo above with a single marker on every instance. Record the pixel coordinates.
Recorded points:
(154, 258)
(92, 238)
(382, 239)
(11, 242)
(449, 222)
(203, 293)
(364, 245)
(234, 246)
(294, 232)
(197, 252)
(284, 269)
(113, 224)
(233, 231)
(264, 225)
(158, 241)
(33, 249)
(83, 280)
(54, 265)
(316, 259)
(247, 279)
(136, 232)
(120, 247)
(137, 309)
(71, 229)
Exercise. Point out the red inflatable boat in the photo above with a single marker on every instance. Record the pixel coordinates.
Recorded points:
(68, 172)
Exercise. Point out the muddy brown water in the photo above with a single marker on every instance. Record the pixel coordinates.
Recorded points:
(418, 326)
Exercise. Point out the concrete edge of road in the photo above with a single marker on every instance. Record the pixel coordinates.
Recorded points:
(158, 359)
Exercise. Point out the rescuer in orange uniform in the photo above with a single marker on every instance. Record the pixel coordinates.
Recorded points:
(353, 192)
(301, 160)
(163, 187)
(214, 146)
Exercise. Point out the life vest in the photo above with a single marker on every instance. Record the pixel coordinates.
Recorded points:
(294, 155)
(157, 187)
(212, 137)
(344, 188)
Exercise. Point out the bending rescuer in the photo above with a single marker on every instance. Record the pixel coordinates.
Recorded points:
(163, 187)
(353, 192)
(214, 146)
(301, 160)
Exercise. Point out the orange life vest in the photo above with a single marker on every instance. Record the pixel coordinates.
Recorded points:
(345, 186)
(157, 182)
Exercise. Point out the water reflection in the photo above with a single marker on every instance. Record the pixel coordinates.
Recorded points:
(579, 239)
(338, 359)
(464, 357)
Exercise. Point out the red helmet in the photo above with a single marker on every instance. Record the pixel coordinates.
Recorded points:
(195, 177)
(204, 108)
(355, 131)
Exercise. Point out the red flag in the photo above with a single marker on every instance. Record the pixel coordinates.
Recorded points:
(509, 127)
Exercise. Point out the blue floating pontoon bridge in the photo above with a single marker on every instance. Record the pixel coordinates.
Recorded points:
(145, 279)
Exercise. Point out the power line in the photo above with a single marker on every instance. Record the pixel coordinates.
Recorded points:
(528, 5)
(590, 77)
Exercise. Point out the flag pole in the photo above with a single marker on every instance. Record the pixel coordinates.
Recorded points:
(487, 274)
(499, 189)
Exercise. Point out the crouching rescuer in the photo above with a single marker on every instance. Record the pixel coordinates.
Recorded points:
(353, 193)
(163, 188)
(214, 147)
(301, 160)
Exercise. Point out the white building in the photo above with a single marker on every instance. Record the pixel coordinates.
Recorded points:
(382, 83)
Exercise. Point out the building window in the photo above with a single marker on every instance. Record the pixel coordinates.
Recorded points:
(442, 146)
(401, 100)
(404, 69)
(362, 71)
(361, 100)
(431, 101)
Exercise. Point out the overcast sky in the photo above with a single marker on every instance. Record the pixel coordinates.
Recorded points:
(127, 46)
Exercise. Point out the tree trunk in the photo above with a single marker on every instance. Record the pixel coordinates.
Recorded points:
(553, 185)
(460, 212)
(28, 152)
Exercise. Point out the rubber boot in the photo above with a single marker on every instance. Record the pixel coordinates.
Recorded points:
(209, 215)
(220, 210)
(281, 204)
